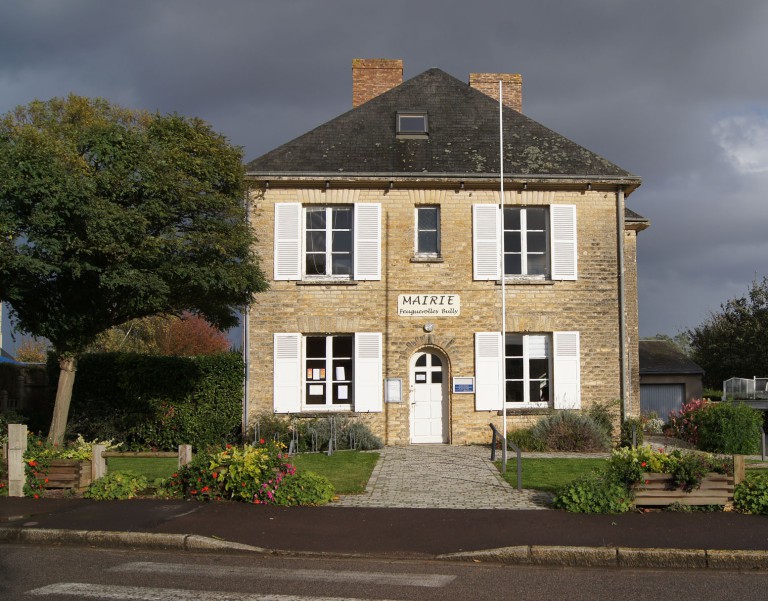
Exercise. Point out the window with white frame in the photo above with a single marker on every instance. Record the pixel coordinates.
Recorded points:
(428, 231)
(528, 365)
(336, 242)
(328, 364)
(526, 247)
(540, 242)
(328, 241)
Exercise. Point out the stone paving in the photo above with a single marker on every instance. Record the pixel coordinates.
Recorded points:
(442, 477)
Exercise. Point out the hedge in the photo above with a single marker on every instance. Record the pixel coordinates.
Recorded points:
(150, 401)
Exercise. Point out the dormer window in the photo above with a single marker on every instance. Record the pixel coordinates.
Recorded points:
(412, 124)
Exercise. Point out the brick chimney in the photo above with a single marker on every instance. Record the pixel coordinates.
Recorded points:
(374, 76)
(488, 84)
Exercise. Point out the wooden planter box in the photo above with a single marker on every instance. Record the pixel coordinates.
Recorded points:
(68, 473)
(715, 489)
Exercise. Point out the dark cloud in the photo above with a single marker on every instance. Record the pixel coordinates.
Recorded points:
(645, 84)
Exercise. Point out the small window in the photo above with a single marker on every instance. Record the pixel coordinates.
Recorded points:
(428, 231)
(412, 124)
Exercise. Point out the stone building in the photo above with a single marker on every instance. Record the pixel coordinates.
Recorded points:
(382, 229)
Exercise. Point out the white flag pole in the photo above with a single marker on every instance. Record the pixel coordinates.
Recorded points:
(503, 290)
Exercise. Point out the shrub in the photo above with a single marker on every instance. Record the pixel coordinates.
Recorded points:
(116, 485)
(525, 440)
(627, 427)
(570, 431)
(684, 424)
(713, 394)
(652, 423)
(603, 415)
(159, 402)
(751, 495)
(303, 488)
(730, 428)
(594, 493)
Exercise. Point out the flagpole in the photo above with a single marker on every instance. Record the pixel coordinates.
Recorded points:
(503, 290)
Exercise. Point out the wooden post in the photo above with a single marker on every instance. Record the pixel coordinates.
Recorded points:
(17, 445)
(738, 469)
(98, 463)
(185, 454)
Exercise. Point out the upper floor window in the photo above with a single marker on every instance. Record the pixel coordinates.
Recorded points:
(412, 123)
(428, 231)
(328, 241)
(526, 238)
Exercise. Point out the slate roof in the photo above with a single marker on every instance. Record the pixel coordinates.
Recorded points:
(661, 357)
(463, 140)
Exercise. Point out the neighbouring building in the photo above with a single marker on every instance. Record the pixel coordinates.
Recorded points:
(382, 230)
(668, 378)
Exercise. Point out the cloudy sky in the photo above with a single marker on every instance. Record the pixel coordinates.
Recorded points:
(673, 91)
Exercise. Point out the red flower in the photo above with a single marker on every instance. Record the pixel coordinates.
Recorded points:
(204, 489)
(228, 446)
(193, 492)
(215, 475)
(36, 496)
(32, 463)
(261, 441)
(643, 464)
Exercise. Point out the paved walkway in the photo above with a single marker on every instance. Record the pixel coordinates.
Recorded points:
(442, 477)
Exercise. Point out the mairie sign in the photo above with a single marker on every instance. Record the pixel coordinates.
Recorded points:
(428, 305)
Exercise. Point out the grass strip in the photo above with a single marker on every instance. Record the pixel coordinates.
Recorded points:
(151, 467)
(348, 471)
(551, 473)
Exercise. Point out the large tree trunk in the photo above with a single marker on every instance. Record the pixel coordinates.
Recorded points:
(68, 367)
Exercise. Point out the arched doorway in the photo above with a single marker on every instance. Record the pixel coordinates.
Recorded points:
(429, 397)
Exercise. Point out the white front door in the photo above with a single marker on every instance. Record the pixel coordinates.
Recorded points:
(428, 399)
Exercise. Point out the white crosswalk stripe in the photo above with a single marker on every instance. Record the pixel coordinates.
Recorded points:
(138, 593)
(383, 578)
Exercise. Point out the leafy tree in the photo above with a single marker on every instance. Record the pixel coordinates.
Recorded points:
(186, 336)
(32, 350)
(108, 215)
(734, 341)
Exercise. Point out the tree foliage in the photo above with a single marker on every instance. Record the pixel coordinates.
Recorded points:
(109, 214)
(734, 341)
(186, 336)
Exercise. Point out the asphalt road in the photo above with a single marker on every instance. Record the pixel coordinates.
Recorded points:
(59, 573)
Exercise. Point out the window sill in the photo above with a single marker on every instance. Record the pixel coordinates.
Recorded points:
(314, 412)
(427, 259)
(328, 282)
(526, 281)
(530, 410)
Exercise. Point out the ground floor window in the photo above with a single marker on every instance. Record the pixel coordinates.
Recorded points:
(528, 366)
(328, 369)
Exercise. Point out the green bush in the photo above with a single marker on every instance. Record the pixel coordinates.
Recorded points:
(713, 394)
(625, 435)
(150, 401)
(730, 428)
(571, 431)
(751, 495)
(603, 416)
(595, 493)
(116, 485)
(303, 488)
(525, 440)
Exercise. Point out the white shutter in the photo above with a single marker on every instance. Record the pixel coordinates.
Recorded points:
(287, 381)
(288, 241)
(567, 376)
(489, 387)
(368, 372)
(563, 227)
(485, 242)
(367, 241)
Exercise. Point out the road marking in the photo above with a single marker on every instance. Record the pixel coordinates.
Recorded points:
(137, 593)
(400, 579)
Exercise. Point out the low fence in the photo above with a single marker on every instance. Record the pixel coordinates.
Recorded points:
(70, 473)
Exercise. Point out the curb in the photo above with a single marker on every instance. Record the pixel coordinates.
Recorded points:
(619, 557)
(117, 540)
(532, 555)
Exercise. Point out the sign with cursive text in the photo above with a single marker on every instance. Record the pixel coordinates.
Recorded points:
(428, 305)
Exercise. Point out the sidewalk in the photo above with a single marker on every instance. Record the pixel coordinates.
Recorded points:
(657, 539)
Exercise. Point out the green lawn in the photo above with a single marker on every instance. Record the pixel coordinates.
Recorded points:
(549, 474)
(151, 467)
(348, 471)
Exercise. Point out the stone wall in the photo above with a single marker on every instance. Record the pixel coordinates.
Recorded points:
(589, 305)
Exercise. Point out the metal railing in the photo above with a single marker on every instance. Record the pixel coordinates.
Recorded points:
(497, 436)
